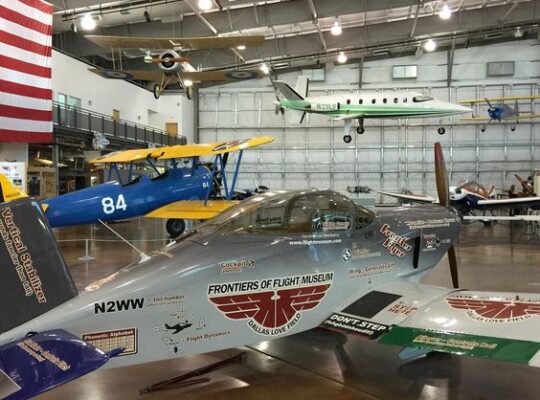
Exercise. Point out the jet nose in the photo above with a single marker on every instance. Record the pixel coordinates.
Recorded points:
(463, 109)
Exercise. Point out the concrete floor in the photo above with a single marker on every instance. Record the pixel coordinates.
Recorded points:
(320, 364)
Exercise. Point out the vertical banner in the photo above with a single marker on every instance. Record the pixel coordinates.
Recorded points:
(25, 71)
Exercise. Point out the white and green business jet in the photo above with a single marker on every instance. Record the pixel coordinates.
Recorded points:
(357, 106)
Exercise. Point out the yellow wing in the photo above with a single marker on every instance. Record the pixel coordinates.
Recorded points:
(493, 99)
(513, 118)
(182, 151)
(192, 209)
(474, 119)
(186, 43)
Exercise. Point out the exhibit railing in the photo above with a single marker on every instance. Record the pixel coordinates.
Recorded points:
(86, 121)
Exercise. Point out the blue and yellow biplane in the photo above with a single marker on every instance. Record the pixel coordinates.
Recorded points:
(184, 188)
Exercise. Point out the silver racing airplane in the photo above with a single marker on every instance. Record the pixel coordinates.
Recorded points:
(276, 264)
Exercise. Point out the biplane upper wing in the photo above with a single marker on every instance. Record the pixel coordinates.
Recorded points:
(182, 151)
(222, 76)
(186, 43)
(494, 99)
(192, 209)
(495, 325)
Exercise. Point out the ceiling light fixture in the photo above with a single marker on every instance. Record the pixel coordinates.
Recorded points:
(518, 33)
(430, 45)
(342, 58)
(88, 23)
(205, 4)
(241, 47)
(264, 68)
(445, 12)
(336, 29)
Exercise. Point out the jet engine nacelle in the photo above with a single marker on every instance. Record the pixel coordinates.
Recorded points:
(168, 61)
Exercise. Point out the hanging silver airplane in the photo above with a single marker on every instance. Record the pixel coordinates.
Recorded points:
(347, 107)
(277, 264)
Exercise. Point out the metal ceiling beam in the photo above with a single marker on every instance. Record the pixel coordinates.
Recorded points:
(316, 23)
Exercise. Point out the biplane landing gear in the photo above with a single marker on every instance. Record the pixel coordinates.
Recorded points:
(347, 138)
(441, 131)
(360, 130)
(482, 128)
(513, 127)
(189, 92)
(157, 91)
(175, 227)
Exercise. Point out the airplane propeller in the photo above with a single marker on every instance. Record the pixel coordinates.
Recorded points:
(441, 179)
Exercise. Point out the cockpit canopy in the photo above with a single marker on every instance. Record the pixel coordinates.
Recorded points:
(291, 212)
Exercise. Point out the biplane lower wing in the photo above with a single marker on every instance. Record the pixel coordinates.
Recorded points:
(192, 209)
(131, 75)
(512, 118)
(494, 325)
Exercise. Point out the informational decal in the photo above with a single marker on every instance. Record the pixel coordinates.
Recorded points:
(15, 172)
(432, 242)
(370, 270)
(352, 324)
(359, 253)
(346, 255)
(402, 308)
(34, 349)
(236, 265)
(396, 245)
(118, 305)
(270, 306)
(109, 340)
(329, 226)
(165, 300)
(310, 242)
(178, 327)
(495, 311)
(206, 336)
(430, 223)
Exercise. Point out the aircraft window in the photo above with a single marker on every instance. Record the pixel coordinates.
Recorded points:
(364, 217)
(338, 105)
(384, 100)
(360, 101)
(333, 214)
(395, 100)
(372, 101)
(419, 99)
(348, 101)
(301, 215)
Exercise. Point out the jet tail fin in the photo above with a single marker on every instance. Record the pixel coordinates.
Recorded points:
(8, 192)
(33, 274)
(302, 86)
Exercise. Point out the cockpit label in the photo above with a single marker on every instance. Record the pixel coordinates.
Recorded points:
(270, 306)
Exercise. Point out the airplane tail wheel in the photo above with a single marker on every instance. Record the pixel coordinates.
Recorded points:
(441, 131)
(189, 92)
(347, 138)
(157, 91)
(360, 130)
(175, 227)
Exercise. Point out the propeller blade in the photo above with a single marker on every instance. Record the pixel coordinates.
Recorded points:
(302, 118)
(488, 102)
(452, 261)
(441, 177)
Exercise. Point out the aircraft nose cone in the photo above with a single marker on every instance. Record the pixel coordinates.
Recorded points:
(464, 109)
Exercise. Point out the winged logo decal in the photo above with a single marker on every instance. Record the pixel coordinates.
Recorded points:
(495, 311)
(272, 312)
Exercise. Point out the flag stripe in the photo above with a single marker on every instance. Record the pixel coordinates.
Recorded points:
(25, 102)
(7, 135)
(25, 113)
(23, 20)
(33, 9)
(23, 32)
(25, 125)
(27, 56)
(25, 79)
(25, 44)
(24, 67)
(25, 90)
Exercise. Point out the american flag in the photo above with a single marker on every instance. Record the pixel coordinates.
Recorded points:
(25, 71)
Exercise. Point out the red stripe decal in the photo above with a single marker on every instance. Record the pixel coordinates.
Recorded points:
(25, 113)
(7, 135)
(25, 44)
(23, 20)
(39, 5)
(27, 68)
(25, 90)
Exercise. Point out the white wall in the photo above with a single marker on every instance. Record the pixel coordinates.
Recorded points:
(14, 152)
(71, 77)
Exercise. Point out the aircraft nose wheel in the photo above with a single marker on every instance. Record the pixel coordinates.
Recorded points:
(175, 227)
(360, 130)
(441, 131)
(347, 138)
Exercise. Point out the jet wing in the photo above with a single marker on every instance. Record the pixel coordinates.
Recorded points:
(410, 197)
(494, 325)
(192, 209)
(34, 364)
(182, 151)
(186, 43)
(129, 75)
(495, 99)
